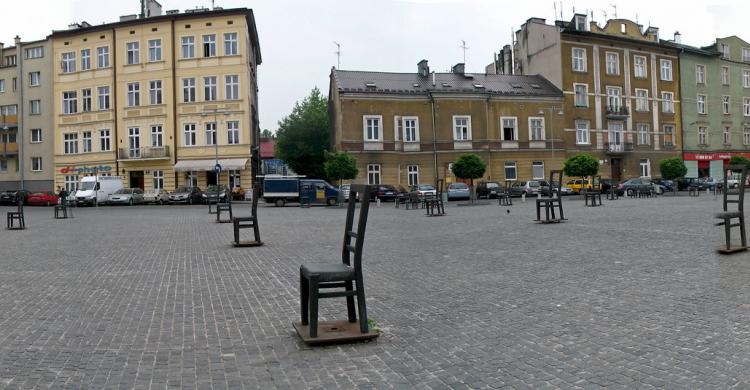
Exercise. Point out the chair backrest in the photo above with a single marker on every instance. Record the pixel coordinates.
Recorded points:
(359, 234)
(508, 184)
(735, 195)
(555, 176)
(20, 205)
(256, 195)
(596, 183)
(439, 184)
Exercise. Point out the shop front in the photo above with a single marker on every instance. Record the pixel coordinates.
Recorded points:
(709, 164)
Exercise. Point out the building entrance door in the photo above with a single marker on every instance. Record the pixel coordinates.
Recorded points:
(615, 164)
(211, 178)
(136, 179)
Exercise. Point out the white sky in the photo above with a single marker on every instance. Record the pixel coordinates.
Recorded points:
(296, 36)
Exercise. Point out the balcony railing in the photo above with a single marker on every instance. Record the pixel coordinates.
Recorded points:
(617, 111)
(148, 152)
(9, 148)
(621, 147)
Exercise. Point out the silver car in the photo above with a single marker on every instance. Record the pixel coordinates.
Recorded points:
(159, 196)
(129, 196)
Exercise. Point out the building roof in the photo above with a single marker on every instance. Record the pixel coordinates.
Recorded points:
(414, 84)
(267, 147)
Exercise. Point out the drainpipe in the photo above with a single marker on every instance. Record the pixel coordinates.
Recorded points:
(20, 128)
(434, 141)
(487, 135)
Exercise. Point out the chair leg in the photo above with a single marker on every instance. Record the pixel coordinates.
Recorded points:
(256, 231)
(236, 226)
(304, 298)
(742, 231)
(350, 310)
(362, 306)
(727, 228)
(313, 305)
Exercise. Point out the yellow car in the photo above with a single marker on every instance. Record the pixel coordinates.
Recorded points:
(577, 184)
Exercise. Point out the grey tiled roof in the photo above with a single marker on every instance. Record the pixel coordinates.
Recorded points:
(414, 84)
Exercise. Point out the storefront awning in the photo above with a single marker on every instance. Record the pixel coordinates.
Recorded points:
(208, 165)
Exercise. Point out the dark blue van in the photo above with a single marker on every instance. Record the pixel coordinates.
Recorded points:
(280, 190)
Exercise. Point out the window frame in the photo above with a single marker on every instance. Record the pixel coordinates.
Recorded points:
(70, 103)
(187, 43)
(36, 164)
(35, 107)
(105, 140)
(703, 138)
(515, 128)
(467, 129)
(133, 94)
(410, 133)
(86, 100)
(35, 79)
(374, 172)
(85, 60)
(208, 46)
(534, 165)
(157, 136)
(642, 132)
(102, 57)
(542, 130)
(209, 89)
(666, 70)
(154, 50)
(233, 132)
(102, 99)
(132, 53)
(231, 87)
(701, 104)
(607, 63)
(512, 166)
(155, 92)
(582, 59)
(412, 175)
(581, 132)
(643, 67)
(585, 95)
(641, 102)
(700, 74)
(725, 104)
(68, 62)
(188, 90)
(211, 133)
(667, 105)
(230, 45)
(86, 141)
(189, 133)
(70, 143)
(36, 136)
(366, 128)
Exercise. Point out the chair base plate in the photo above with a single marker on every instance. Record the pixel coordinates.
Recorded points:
(243, 243)
(723, 249)
(549, 220)
(15, 228)
(331, 332)
(224, 221)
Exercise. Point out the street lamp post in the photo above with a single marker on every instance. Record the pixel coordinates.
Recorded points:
(542, 112)
(217, 167)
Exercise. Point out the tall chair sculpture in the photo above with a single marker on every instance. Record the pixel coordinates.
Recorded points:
(17, 216)
(435, 206)
(347, 275)
(734, 209)
(552, 201)
(248, 222)
(594, 193)
(224, 207)
(504, 198)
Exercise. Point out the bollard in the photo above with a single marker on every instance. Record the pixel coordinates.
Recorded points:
(377, 200)
(523, 197)
(707, 190)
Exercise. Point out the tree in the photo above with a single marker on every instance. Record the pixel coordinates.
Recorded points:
(340, 166)
(266, 134)
(469, 166)
(671, 169)
(303, 136)
(581, 165)
(739, 160)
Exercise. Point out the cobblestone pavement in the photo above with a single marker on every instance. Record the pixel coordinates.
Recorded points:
(631, 294)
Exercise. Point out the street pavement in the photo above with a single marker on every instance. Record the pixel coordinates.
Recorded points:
(628, 295)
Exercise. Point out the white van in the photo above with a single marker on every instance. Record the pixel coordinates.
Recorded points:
(94, 190)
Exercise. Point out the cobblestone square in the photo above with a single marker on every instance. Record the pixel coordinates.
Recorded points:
(631, 294)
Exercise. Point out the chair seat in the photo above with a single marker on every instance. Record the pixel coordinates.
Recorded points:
(729, 214)
(328, 272)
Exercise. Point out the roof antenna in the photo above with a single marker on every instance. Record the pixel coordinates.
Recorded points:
(464, 47)
(615, 7)
(554, 6)
(561, 11)
(338, 55)
(605, 15)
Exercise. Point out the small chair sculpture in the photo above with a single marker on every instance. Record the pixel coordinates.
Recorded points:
(503, 197)
(413, 201)
(61, 210)
(248, 222)
(735, 197)
(434, 205)
(226, 207)
(17, 216)
(212, 205)
(612, 193)
(594, 193)
(347, 275)
(551, 201)
(304, 201)
(693, 190)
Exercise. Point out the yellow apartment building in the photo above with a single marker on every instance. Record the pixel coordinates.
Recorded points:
(159, 100)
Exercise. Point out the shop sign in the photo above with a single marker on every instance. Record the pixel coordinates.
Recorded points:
(82, 170)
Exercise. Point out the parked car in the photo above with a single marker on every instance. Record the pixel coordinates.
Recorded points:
(666, 185)
(129, 196)
(214, 193)
(458, 191)
(606, 184)
(545, 188)
(578, 184)
(12, 196)
(488, 189)
(159, 196)
(344, 190)
(46, 198)
(384, 192)
(712, 183)
(631, 186)
(685, 182)
(187, 195)
(423, 190)
(531, 187)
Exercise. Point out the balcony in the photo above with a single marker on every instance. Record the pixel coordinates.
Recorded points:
(145, 153)
(617, 112)
(618, 148)
(9, 149)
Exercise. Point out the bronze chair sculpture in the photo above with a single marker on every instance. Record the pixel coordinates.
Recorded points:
(734, 209)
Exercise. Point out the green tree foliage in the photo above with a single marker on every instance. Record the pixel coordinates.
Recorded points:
(673, 168)
(581, 165)
(469, 166)
(340, 166)
(266, 134)
(303, 136)
(737, 160)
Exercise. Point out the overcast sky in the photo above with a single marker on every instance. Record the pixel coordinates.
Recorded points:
(296, 36)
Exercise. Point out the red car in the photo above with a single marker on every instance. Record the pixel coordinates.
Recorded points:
(43, 198)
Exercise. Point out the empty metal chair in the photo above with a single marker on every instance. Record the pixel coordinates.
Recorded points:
(17, 216)
(248, 222)
(734, 209)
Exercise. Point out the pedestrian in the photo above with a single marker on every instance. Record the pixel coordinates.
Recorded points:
(62, 194)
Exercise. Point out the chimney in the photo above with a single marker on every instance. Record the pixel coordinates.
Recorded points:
(422, 68)
(150, 8)
(677, 37)
(2, 46)
(458, 68)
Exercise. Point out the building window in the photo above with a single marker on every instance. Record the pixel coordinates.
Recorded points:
(510, 170)
(86, 138)
(613, 63)
(235, 180)
(188, 47)
(746, 136)
(3, 165)
(34, 52)
(700, 74)
(103, 93)
(36, 164)
(536, 129)
(642, 133)
(233, 132)
(581, 95)
(102, 57)
(745, 54)
(132, 53)
(411, 129)
(725, 75)
(745, 78)
(68, 62)
(211, 133)
(669, 135)
(412, 174)
(86, 100)
(702, 135)
(746, 106)
(134, 94)
(34, 79)
(613, 99)
(579, 59)
(104, 140)
(232, 83)
(209, 45)
(727, 135)
(641, 99)
(639, 67)
(209, 88)
(35, 107)
(70, 143)
(667, 102)
(134, 142)
(154, 92)
(462, 128)
(725, 104)
(36, 136)
(10, 109)
(70, 102)
(582, 132)
(2, 85)
(509, 129)
(373, 173)
(372, 128)
(645, 167)
(158, 180)
(14, 84)
(71, 181)
(188, 90)
(666, 70)
(10, 60)
(190, 134)
(192, 179)
(724, 48)
(85, 59)
(537, 170)
(154, 50)
(701, 104)
(230, 44)
(157, 136)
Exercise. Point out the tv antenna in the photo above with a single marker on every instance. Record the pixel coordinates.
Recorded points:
(615, 8)
(464, 47)
(338, 54)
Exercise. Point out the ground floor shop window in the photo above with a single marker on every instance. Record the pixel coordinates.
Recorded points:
(373, 173)
(645, 167)
(70, 183)
(413, 174)
(537, 170)
(510, 170)
(192, 179)
(158, 180)
(234, 179)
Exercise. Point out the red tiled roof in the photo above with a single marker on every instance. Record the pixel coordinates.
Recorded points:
(267, 146)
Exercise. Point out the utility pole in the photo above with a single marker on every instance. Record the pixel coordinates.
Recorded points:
(464, 47)
(338, 54)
